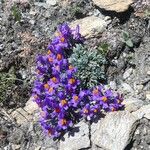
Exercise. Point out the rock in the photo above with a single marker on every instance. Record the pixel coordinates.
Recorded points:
(127, 88)
(51, 2)
(90, 26)
(113, 85)
(143, 112)
(31, 107)
(78, 139)
(148, 73)
(138, 87)
(38, 148)
(20, 116)
(1, 47)
(114, 131)
(40, 4)
(148, 95)
(16, 147)
(16, 136)
(113, 5)
(23, 115)
(127, 73)
(132, 104)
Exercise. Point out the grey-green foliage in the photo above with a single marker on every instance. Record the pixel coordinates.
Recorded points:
(103, 49)
(6, 82)
(16, 13)
(147, 13)
(126, 39)
(90, 65)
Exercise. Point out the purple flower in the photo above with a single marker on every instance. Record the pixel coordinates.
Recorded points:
(57, 90)
(63, 104)
(77, 36)
(64, 30)
(64, 123)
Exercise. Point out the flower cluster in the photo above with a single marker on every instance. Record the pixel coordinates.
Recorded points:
(57, 91)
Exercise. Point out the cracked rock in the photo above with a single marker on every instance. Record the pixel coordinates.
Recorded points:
(77, 139)
(114, 131)
(143, 112)
(132, 104)
(23, 115)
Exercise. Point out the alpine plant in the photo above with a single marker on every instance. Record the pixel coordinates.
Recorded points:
(57, 91)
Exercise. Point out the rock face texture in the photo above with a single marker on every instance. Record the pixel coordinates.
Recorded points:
(132, 104)
(113, 5)
(90, 26)
(23, 115)
(143, 112)
(113, 132)
(79, 138)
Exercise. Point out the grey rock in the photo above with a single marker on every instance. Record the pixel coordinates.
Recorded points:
(16, 147)
(127, 73)
(24, 115)
(132, 104)
(16, 136)
(32, 21)
(114, 5)
(127, 88)
(148, 95)
(113, 85)
(114, 131)
(80, 139)
(90, 26)
(148, 72)
(1, 47)
(143, 112)
(39, 4)
(51, 2)
(23, 73)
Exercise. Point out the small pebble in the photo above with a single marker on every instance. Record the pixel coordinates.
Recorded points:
(127, 73)
(148, 95)
(148, 72)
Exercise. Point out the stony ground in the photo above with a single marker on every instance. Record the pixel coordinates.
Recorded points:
(26, 33)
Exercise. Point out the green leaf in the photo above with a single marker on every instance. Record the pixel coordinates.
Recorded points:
(125, 35)
(129, 43)
(16, 13)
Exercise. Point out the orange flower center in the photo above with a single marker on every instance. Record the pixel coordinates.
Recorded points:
(72, 81)
(46, 86)
(95, 110)
(95, 91)
(62, 39)
(49, 132)
(59, 56)
(76, 98)
(51, 89)
(63, 102)
(85, 111)
(54, 79)
(104, 98)
(50, 59)
(63, 121)
(49, 52)
(113, 109)
(119, 101)
(35, 96)
(71, 67)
